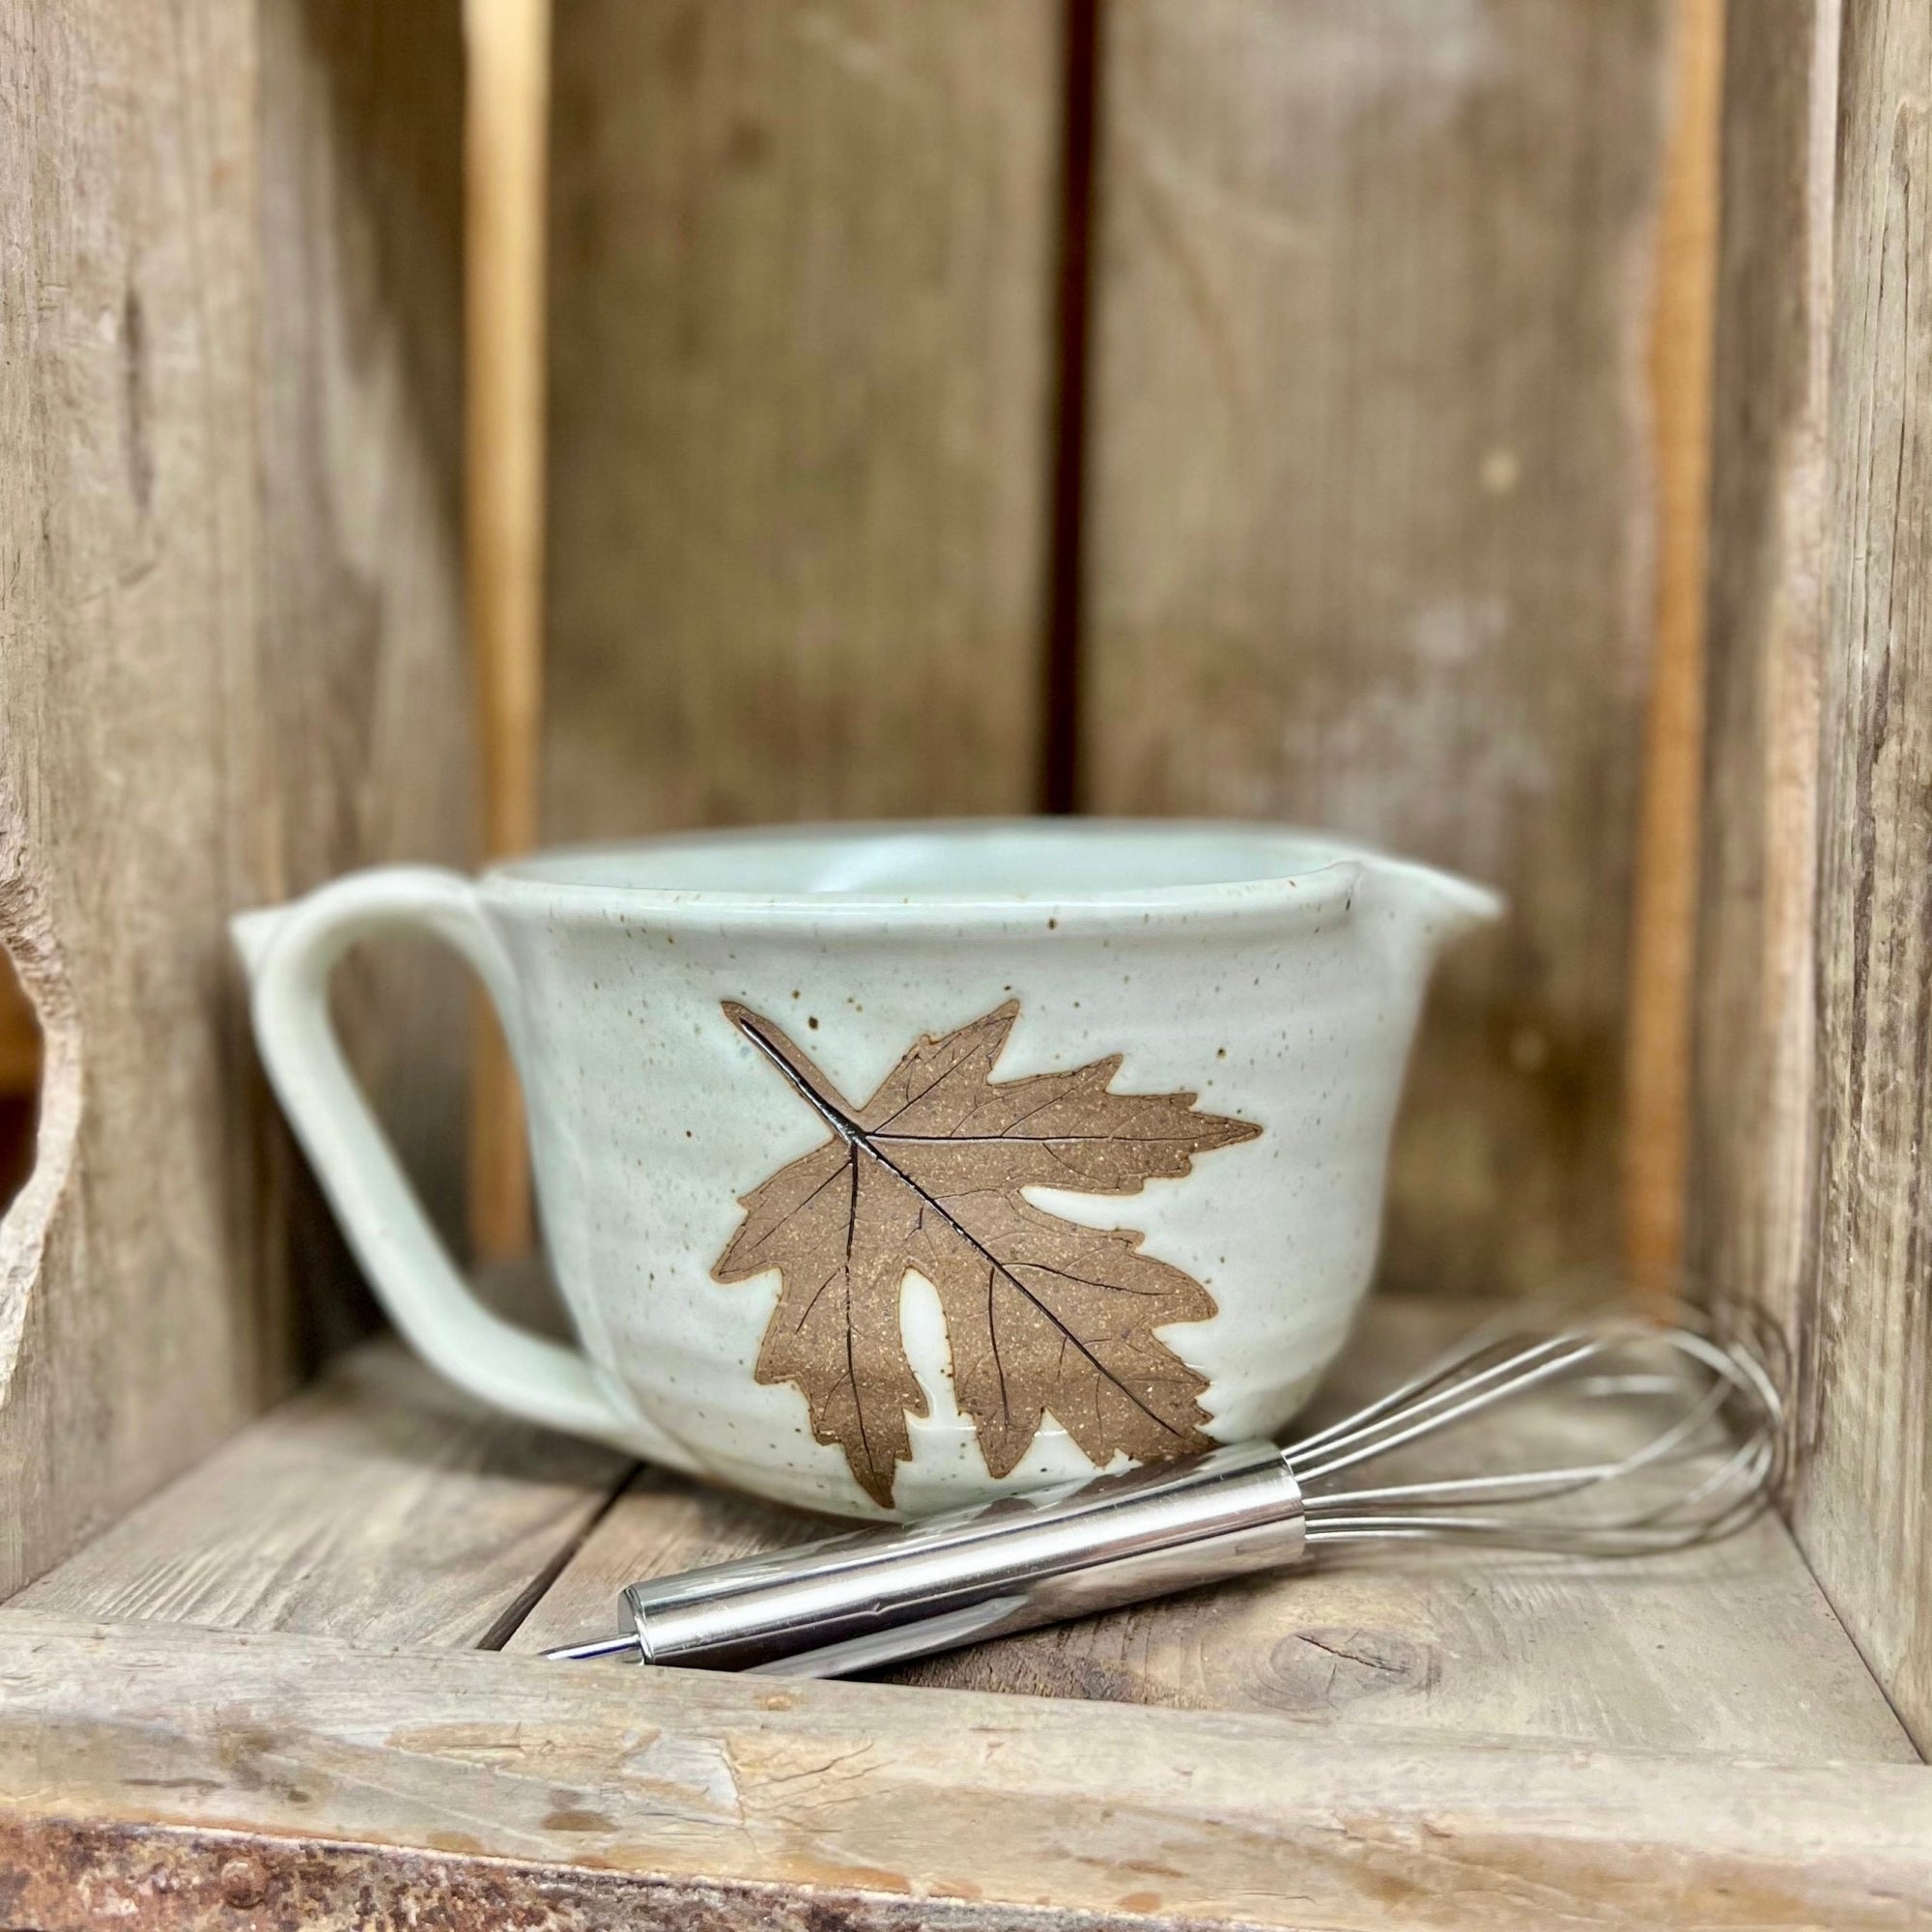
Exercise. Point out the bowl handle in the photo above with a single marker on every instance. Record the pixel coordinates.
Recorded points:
(290, 954)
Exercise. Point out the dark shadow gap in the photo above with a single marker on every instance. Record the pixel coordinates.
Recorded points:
(21, 1066)
(1060, 768)
(513, 1618)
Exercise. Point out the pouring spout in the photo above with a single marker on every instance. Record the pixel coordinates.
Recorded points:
(1431, 908)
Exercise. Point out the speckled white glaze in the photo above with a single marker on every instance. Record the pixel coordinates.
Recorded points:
(1276, 973)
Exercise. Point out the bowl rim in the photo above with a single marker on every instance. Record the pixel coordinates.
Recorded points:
(1311, 872)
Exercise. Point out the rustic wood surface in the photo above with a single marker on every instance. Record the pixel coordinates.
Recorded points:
(507, 183)
(507, 201)
(1753, 1155)
(1663, 941)
(1368, 524)
(223, 602)
(1367, 455)
(802, 298)
(1727, 1649)
(380, 1506)
(1816, 1027)
(366, 664)
(129, 528)
(1866, 1422)
(872, 1805)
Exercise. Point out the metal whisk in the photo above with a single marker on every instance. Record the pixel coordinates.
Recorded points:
(1502, 1510)
(855, 1601)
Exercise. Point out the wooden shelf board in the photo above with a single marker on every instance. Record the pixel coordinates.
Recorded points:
(1725, 1649)
(382, 1507)
(272, 1672)
(186, 1772)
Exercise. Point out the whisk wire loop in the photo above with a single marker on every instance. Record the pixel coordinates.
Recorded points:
(1454, 1401)
(1733, 1481)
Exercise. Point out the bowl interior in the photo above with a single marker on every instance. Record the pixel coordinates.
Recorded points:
(1059, 861)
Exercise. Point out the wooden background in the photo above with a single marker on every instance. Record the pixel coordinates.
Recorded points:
(231, 666)
(1234, 407)
(1241, 405)
(1814, 1016)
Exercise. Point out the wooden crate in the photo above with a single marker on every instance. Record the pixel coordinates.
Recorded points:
(1274, 406)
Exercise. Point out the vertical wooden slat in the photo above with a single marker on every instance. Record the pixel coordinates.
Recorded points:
(1868, 1394)
(802, 317)
(1753, 1148)
(1657, 1108)
(506, 147)
(1368, 522)
(127, 524)
(362, 688)
(221, 617)
(1815, 1099)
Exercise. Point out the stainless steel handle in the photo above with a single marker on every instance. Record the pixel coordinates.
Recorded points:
(856, 1601)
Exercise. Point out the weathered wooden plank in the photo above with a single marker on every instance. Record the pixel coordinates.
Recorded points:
(1368, 530)
(506, 197)
(365, 666)
(1816, 1030)
(1866, 1420)
(126, 592)
(1663, 941)
(878, 1806)
(1753, 1152)
(802, 277)
(380, 1506)
(228, 643)
(1728, 1649)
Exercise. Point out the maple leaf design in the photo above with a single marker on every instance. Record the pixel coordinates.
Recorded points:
(1043, 1314)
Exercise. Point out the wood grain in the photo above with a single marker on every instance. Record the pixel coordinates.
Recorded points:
(1368, 519)
(506, 151)
(380, 1506)
(365, 666)
(679, 1797)
(1866, 1422)
(1728, 1649)
(507, 178)
(129, 530)
(221, 599)
(1816, 1030)
(1657, 1108)
(803, 284)
(1753, 1144)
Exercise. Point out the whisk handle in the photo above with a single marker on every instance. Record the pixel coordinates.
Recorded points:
(856, 1601)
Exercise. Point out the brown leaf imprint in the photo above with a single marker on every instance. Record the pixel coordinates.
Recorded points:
(1043, 1314)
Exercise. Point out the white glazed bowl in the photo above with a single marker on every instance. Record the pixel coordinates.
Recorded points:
(1259, 977)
